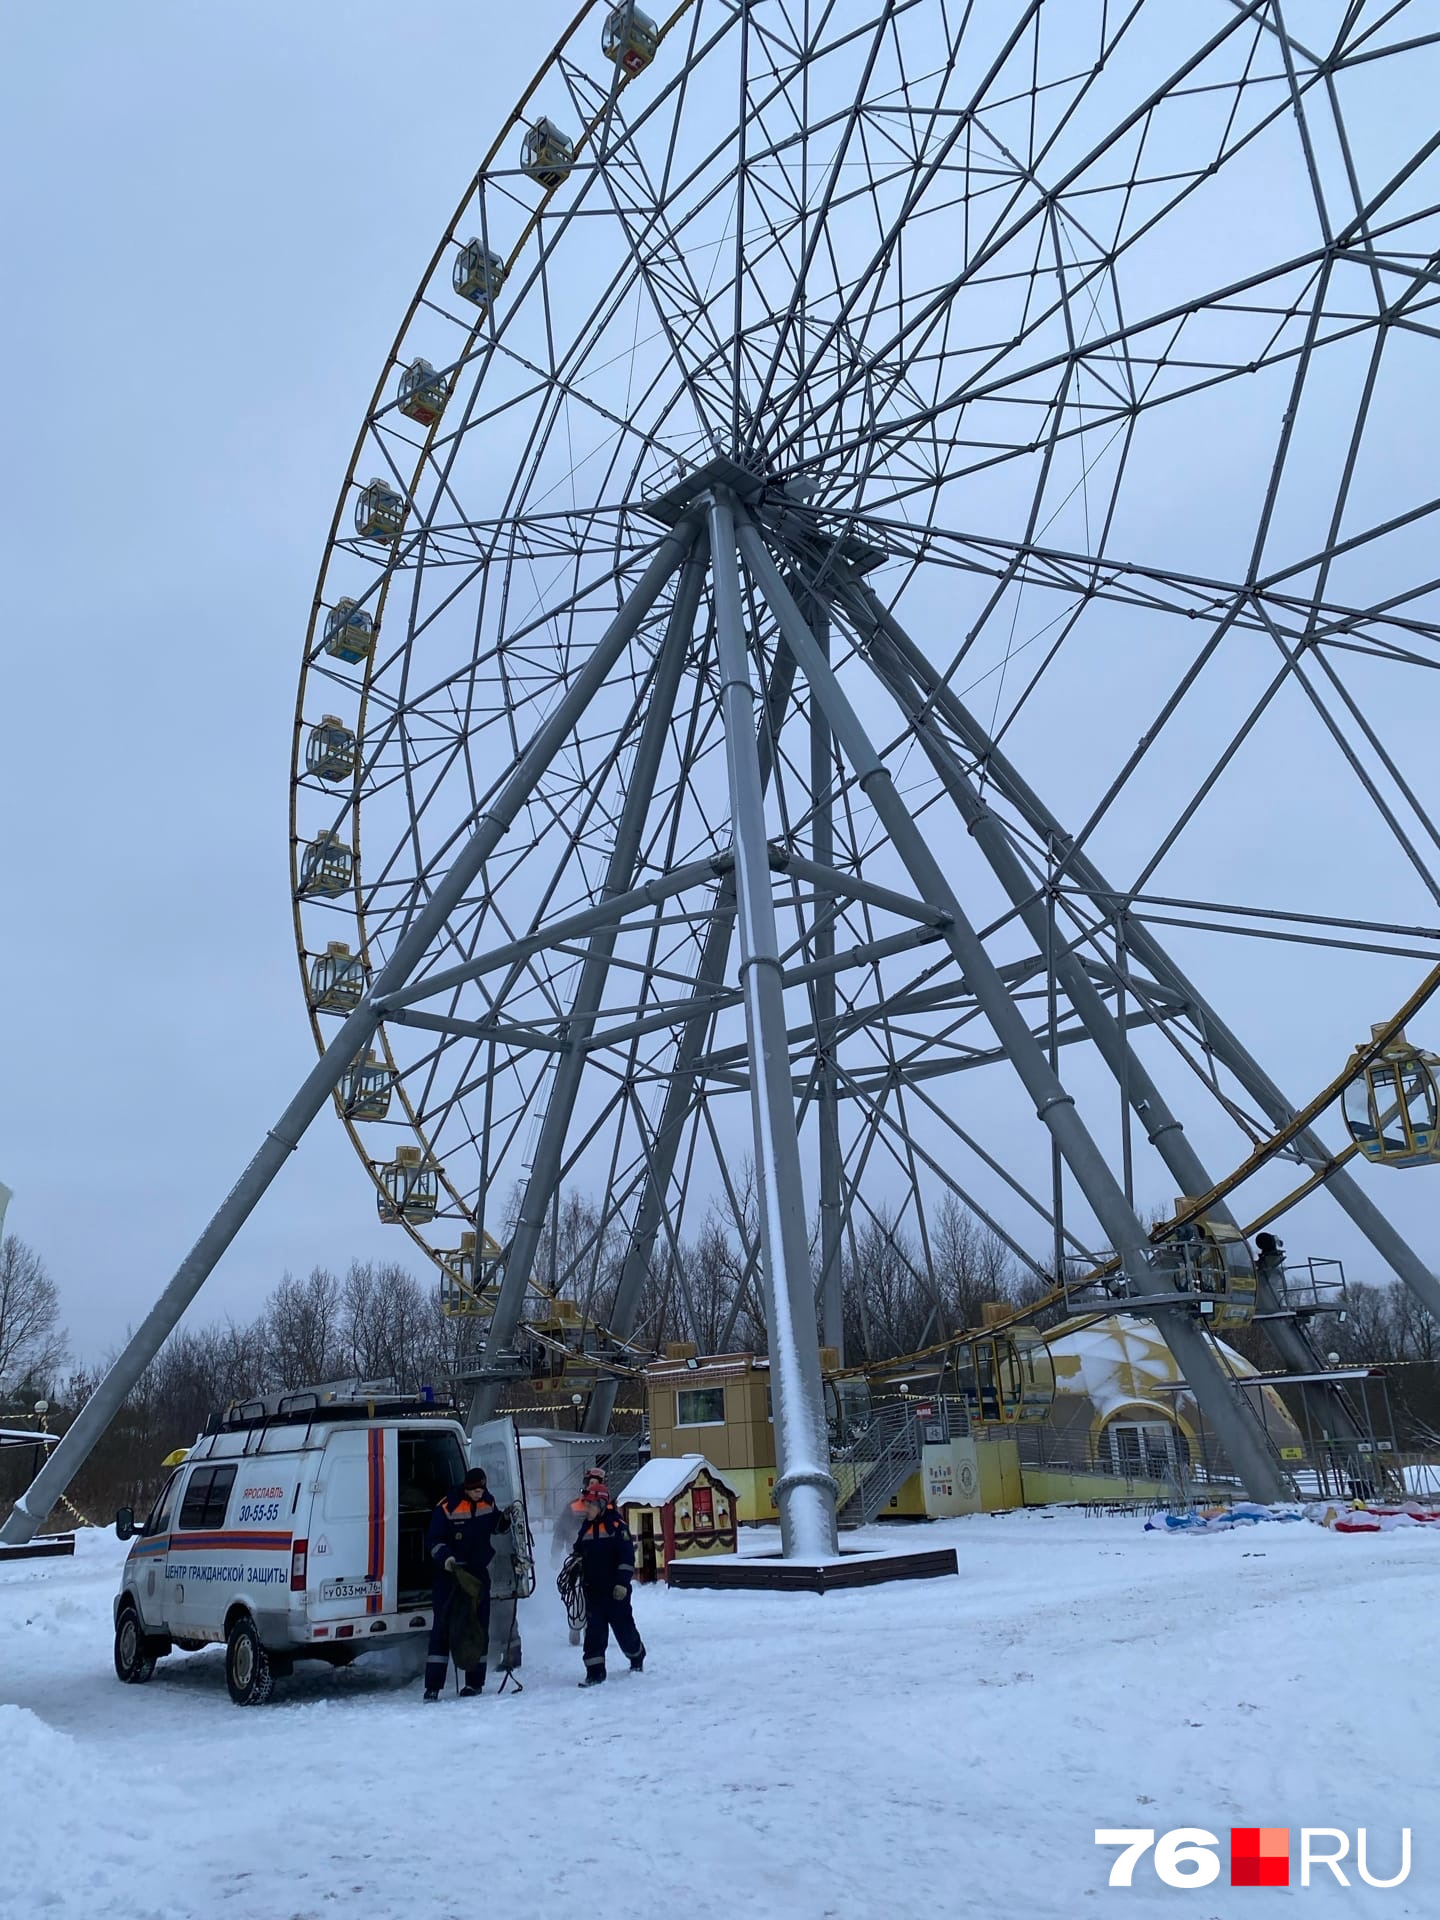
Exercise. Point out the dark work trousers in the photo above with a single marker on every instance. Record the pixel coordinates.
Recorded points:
(437, 1654)
(602, 1612)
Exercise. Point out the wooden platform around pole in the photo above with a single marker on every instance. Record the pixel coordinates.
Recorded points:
(39, 1549)
(768, 1573)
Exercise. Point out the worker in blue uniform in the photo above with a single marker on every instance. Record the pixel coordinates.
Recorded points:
(460, 1539)
(607, 1571)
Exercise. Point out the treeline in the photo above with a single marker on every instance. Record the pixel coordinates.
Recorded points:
(900, 1289)
(376, 1321)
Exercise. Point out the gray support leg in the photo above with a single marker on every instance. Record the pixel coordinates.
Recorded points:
(680, 1092)
(1387, 1242)
(100, 1409)
(541, 1189)
(1229, 1416)
(827, 1103)
(1164, 1130)
(804, 1490)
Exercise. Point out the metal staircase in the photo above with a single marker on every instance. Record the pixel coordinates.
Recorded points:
(881, 1460)
(620, 1454)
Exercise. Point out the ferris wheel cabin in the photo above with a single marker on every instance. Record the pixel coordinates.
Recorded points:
(349, 632)
(423, 393)
(327, 867)
(337, 979)
(630, 39)
(462, 1290)
(1007, 1377)
(409, 1189)
(1212, 1262)
(547, 155)
(1390, 1107)
(365, 1089)
(479, 274)
(380, 513)
(331, 750)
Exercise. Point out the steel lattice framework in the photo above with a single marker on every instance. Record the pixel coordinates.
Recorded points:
(921, 553)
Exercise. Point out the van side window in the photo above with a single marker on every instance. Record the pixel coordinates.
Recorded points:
(158, 1518)
(207, 1497)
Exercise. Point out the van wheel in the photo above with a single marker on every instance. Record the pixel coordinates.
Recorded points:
(248, 1672)
(134, 1662)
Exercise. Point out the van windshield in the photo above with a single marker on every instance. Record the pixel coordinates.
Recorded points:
(431, 1464)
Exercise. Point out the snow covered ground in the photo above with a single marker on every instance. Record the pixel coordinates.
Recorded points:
(944, 1748)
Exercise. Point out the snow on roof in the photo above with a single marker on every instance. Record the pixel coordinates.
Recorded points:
(661, 1480)
(1122, 1361)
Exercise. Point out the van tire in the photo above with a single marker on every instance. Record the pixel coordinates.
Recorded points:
(248, 1672)
(134, 1660)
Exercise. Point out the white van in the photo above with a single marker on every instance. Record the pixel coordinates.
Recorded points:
(295, 1529)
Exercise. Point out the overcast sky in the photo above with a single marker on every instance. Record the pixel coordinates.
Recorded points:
(213, 218)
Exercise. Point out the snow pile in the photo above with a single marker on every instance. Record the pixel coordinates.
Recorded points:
(71, 1839)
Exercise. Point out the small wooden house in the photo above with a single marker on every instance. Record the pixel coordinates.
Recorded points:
(678, 1507)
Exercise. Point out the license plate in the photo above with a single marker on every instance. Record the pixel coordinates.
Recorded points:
(350, 1589)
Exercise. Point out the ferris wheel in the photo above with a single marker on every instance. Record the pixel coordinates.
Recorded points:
(886, 588)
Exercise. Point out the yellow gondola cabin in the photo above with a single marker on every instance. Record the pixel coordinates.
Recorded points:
(330, 750)
(337, 979)
(1390, 1107)
(349, 632)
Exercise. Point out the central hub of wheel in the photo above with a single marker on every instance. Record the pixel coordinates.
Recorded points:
(669, 507)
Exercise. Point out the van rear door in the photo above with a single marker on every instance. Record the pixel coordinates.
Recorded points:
(350, 1572)
(495, 1446)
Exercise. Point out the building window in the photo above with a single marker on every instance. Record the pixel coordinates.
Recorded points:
(207, 1497)
(700, 1407)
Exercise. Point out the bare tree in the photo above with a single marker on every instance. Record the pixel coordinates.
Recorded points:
(391, 1327)
(973, 1265)
(889, 1301)
(32, 1341)
(302, 1322)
